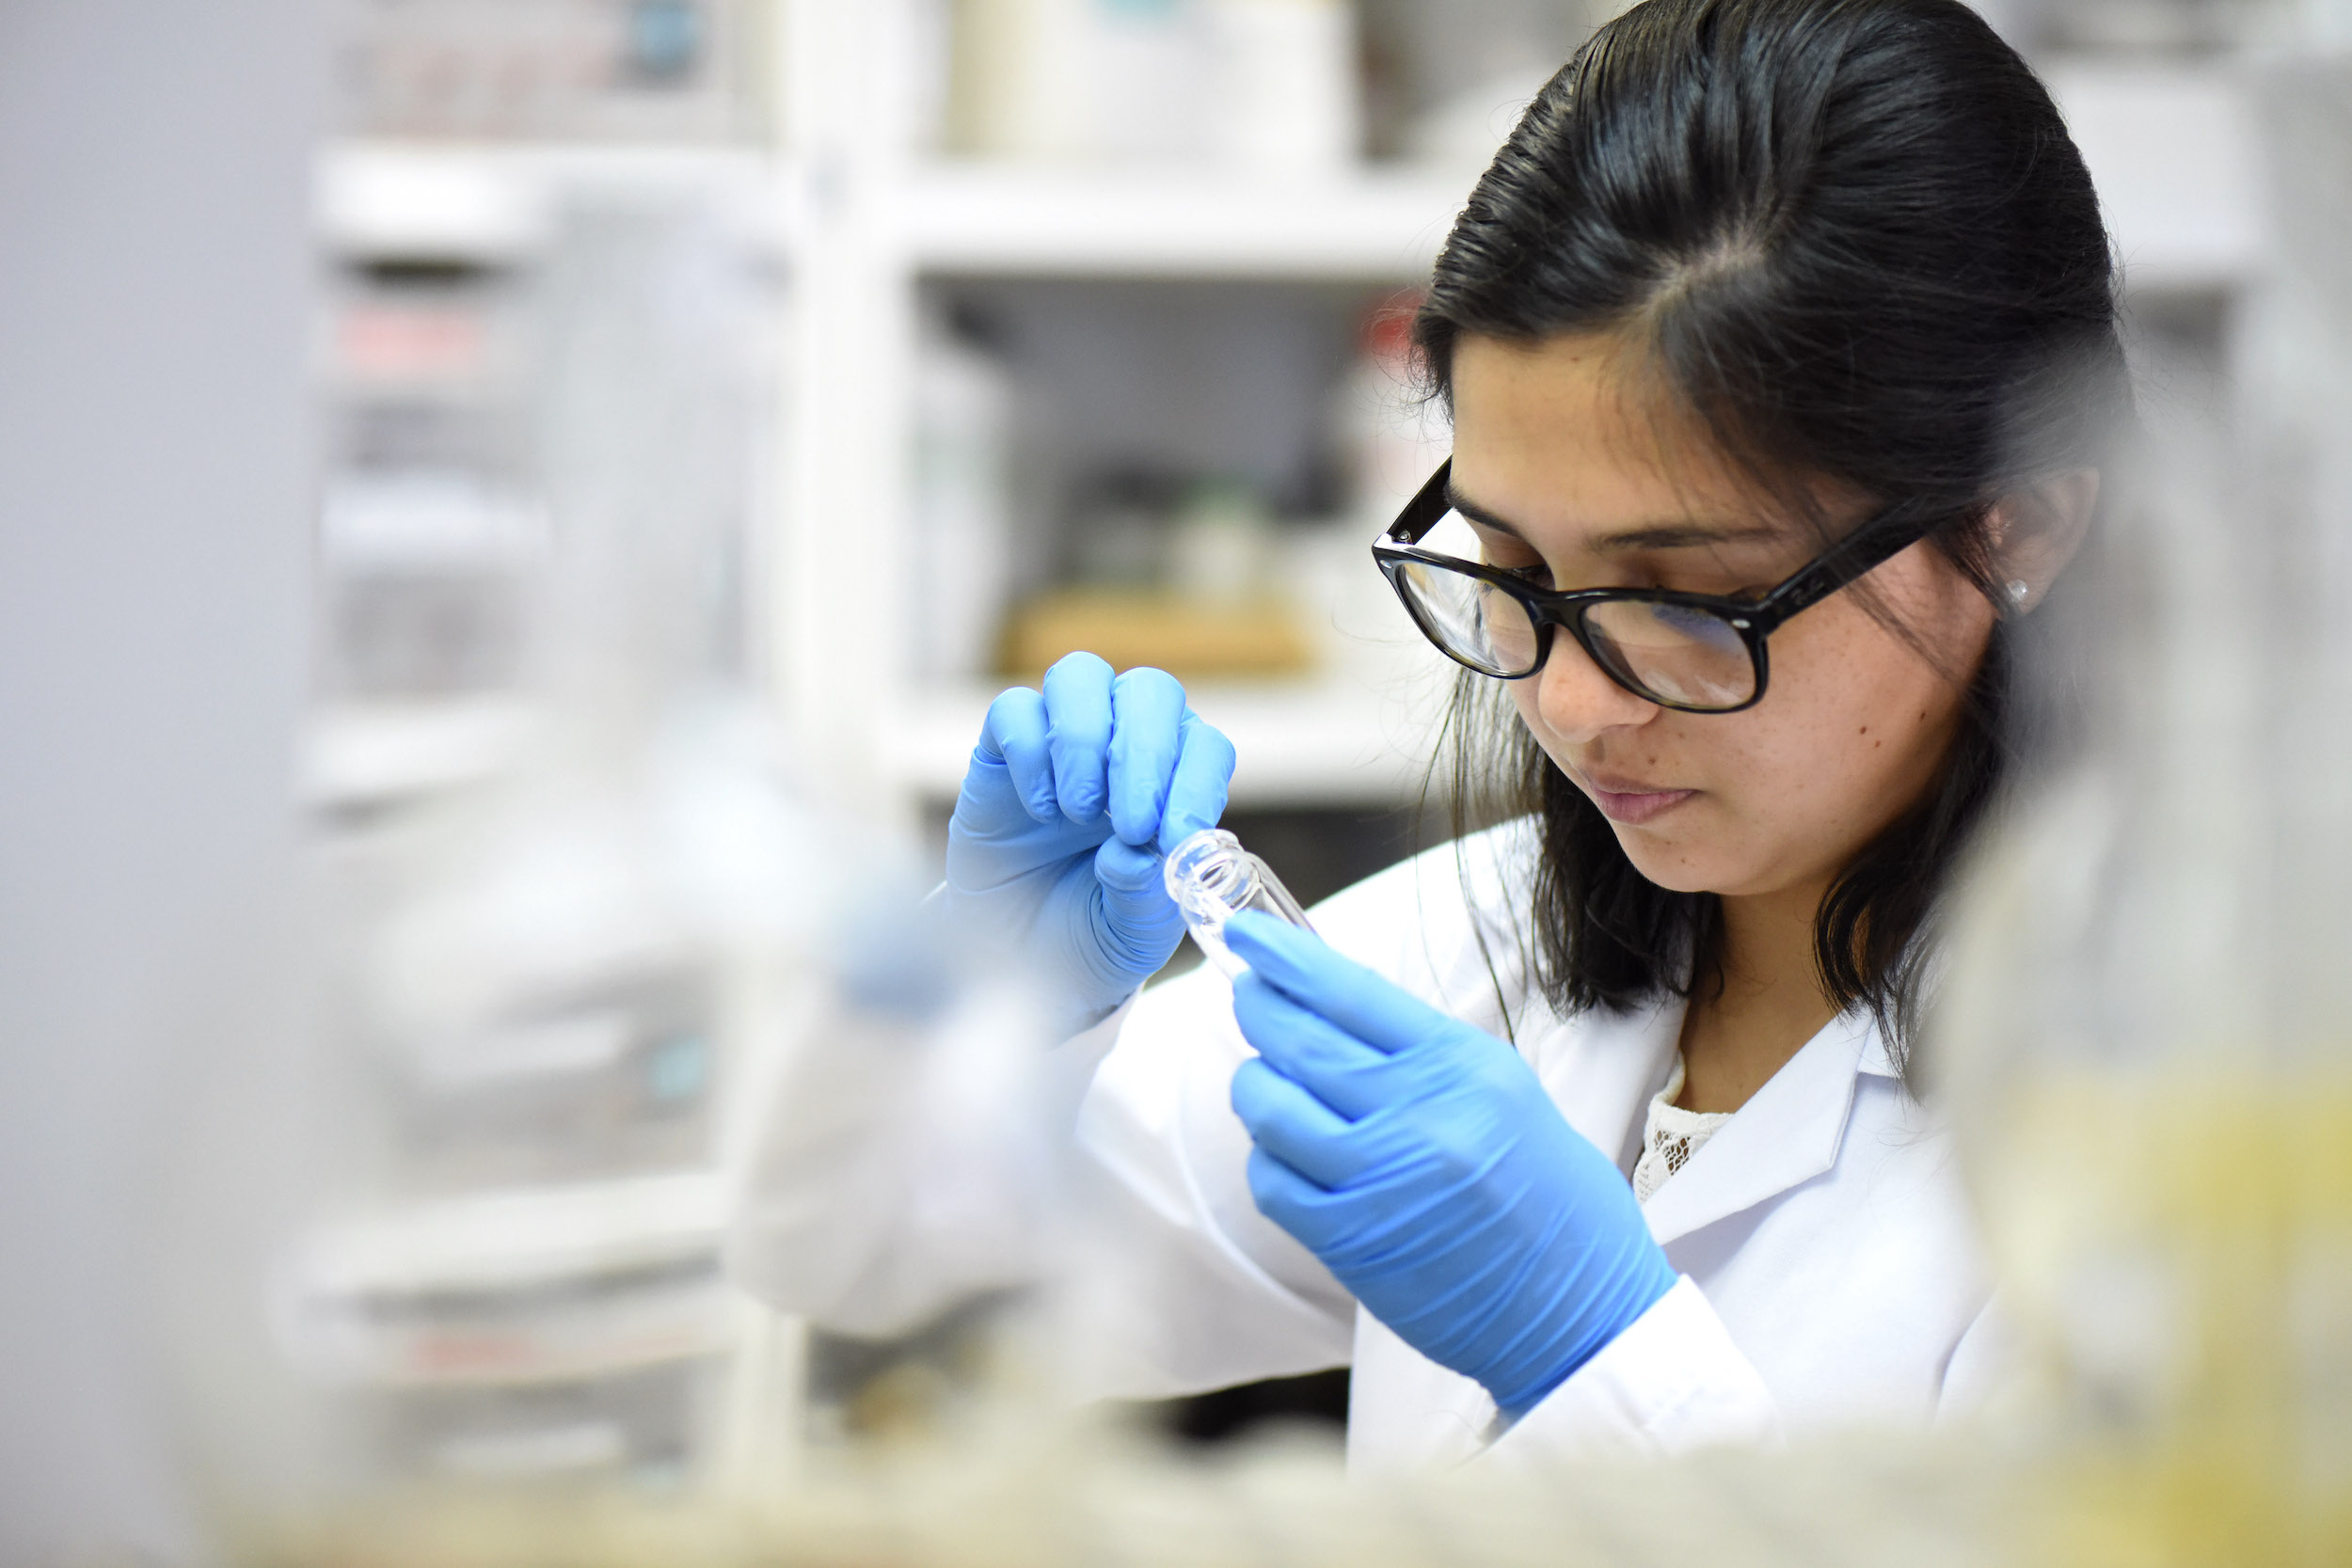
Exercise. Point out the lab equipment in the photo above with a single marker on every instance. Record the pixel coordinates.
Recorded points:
(1422, 1160)
(1212, 878)
(544, 994)
(1054, 848)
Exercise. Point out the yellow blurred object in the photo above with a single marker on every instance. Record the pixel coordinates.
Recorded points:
(1251, 638)
(2180, 1243)
(1097, 1497)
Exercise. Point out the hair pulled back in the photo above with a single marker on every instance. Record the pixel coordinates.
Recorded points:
(1855, 238)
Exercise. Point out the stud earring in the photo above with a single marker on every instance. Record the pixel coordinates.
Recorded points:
(2018, 591)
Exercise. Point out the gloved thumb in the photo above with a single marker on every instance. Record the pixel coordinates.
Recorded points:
(1144, 924)
(1303, 967)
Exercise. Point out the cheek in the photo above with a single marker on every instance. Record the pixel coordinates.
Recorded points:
(1523, 699)
(1858, 718)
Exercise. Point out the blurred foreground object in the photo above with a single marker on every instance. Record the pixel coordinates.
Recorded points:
(1099, 1498)
(545, 994)
(2149, 1025)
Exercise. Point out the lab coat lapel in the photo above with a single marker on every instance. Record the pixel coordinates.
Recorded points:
(1787, 1133)
(1602, 1068)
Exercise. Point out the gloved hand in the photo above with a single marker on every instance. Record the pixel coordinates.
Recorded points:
(1073, 798)
(1423, 1162)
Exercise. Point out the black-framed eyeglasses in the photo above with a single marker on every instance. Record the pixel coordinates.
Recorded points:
(1696, 653)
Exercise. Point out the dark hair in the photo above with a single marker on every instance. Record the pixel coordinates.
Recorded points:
(1855, 240)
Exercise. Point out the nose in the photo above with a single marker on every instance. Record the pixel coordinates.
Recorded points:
(1577, 700)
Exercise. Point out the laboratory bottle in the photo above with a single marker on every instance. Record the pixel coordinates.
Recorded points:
(1213, 879)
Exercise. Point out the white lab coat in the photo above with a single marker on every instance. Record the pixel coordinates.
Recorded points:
(1829, 1273)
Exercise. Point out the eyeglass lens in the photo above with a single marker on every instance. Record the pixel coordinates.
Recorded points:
(1673, 653)
(1472, 620)
(1687, 657)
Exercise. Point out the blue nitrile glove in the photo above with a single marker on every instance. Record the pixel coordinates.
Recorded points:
(1423, 1162)
(1074, 796)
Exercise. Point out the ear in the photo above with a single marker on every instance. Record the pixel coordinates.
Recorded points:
(2036, 531)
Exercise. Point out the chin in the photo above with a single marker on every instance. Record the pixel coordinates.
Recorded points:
(1676, 868)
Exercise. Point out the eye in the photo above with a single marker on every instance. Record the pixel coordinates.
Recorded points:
(1536, 575)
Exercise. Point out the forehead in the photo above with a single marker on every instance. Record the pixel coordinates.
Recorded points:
(1578, 434)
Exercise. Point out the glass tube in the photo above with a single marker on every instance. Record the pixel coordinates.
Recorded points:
(1212, 878)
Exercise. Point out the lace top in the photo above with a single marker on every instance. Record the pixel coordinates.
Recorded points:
(1672, 1136)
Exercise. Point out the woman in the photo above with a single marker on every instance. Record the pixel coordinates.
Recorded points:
(1780, 344)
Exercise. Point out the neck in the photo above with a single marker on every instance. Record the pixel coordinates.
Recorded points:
(1766, 1005)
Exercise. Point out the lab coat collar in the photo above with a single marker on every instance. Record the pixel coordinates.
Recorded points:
(1875, 1060)
(1788, 1132)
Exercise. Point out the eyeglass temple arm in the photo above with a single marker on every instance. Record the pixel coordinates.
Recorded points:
(1879, 539)
(1421, 513)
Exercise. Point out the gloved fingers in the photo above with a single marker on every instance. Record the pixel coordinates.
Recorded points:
(1301, 965)
(1204, 772)
(989, 806)
(1292, 1201)
(1132, 876)
(1141, 923)
(1289, 1122)
(1303, 1045)
(1016, 734)
(1148, 709)
(1078, 734)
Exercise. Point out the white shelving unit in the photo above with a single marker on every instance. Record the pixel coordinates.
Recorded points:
(874, 224)
(493, 203)
(1371, 227)
(1345, 737)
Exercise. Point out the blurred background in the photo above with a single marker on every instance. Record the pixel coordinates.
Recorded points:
(501, 496)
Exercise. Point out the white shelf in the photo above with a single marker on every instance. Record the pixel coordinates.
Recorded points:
(495, 205)
(516, 1237)
(515, 1287)
(1296, 745)
(357, 754)
(1370, 226)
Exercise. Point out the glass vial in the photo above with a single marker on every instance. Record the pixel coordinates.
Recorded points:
(1212, 878)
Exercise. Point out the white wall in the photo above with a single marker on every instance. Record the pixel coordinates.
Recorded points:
(153, 476)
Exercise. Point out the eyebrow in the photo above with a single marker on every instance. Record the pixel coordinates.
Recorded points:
(1657, 536)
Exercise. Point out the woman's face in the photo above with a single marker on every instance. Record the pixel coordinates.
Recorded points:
(1564, 461)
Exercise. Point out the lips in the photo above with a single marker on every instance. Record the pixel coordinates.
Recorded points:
(1629, 802)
